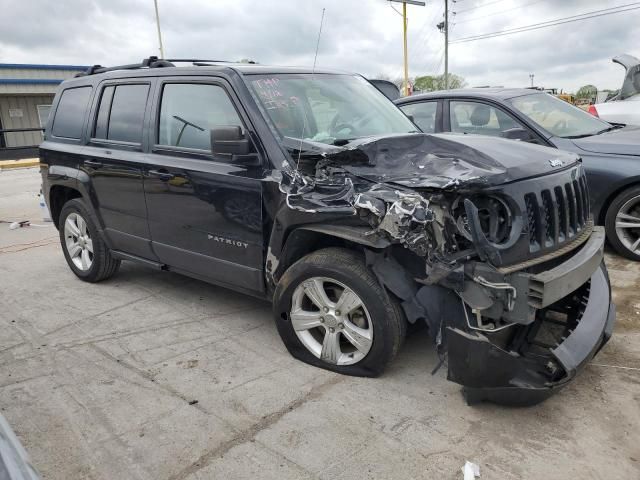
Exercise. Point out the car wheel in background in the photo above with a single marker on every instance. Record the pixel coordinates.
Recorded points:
(332, 312)
(83, 247)
(623, 223)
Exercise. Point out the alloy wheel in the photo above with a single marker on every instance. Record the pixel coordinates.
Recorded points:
(628, 224)
(331, 321)
(78, 241)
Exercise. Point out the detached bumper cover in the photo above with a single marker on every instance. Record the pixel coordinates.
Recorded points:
(490, 373)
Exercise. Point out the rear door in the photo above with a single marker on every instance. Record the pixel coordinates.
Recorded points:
(205, 213)
(113, 162)
(427, 115)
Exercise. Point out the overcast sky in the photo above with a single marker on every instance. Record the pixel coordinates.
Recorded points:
(358, 35)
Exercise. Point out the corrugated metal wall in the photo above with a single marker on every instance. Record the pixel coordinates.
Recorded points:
(49, 73)
(29, 119)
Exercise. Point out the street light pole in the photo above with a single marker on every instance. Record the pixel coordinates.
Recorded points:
(531, 75)
(155, 3)
(404, 39)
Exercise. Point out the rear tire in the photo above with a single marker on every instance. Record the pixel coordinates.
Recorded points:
(620, 223)
(86, 253)
(366, 335)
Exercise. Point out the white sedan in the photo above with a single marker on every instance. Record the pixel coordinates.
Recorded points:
(625, 106)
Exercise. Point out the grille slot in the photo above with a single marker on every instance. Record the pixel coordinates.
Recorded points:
(573, 213)
(549, 218)
(585, 197)
(563, 214)
(579, 203)
(533, 220)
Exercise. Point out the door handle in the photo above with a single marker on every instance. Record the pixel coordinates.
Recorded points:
(92, 163)
(161, 174)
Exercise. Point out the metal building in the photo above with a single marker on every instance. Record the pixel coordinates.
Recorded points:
(26, 93)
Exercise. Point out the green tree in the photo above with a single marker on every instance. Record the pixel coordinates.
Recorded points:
(430, 83)
(587, 91)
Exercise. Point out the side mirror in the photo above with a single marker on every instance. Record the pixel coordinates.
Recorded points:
(231, 143)
(517, 133)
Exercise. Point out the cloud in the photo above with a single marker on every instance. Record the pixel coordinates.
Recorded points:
(364, 36)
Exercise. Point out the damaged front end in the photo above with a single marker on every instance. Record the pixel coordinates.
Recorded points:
(495, 251)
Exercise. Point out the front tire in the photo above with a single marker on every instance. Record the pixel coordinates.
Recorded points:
(622, 223)
(331, 312)
(86, 253)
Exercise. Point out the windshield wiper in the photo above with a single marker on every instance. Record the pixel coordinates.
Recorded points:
(593, 134)
(612, 127)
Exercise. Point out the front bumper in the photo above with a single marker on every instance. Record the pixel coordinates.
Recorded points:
(491, 373)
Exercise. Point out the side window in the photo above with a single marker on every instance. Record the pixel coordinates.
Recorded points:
(188, 111)
(43, 114)
(423, 114)
(480, 118)
(121, 113)
(102, 122)
(69, 118)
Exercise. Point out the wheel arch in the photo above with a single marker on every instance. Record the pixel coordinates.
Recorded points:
(58, 196)
(629, 183)
(307, 239)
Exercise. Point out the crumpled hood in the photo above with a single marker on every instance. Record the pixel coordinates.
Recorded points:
(447, 160)
(625, 141)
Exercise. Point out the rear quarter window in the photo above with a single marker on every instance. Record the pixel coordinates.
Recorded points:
(69, 119)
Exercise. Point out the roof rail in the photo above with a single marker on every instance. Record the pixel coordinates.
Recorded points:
(153, 62)
(198, 61)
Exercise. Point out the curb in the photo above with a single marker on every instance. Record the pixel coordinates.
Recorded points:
(27, 162)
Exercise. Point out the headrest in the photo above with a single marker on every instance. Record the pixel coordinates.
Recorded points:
(480, 116)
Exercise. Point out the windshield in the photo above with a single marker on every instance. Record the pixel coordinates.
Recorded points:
(330, 109)
(559, 117)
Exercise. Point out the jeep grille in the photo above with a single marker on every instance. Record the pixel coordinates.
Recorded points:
(558, 214)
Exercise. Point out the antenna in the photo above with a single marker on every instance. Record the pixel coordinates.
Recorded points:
(313, 73)
(155, 3)
(318, 42)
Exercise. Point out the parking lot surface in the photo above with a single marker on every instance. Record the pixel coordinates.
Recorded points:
(152, 375)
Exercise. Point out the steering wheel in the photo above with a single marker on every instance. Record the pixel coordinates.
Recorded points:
(341, 126)
(335, 126)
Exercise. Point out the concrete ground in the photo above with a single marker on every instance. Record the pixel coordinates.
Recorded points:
(152, 375)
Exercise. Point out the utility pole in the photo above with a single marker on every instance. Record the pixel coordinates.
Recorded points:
(443, 26)
(446, 44)
(404, 39)
(155, 3)
(406, 53)
(531, 75)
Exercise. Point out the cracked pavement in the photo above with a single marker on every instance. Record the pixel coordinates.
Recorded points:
(152, 375)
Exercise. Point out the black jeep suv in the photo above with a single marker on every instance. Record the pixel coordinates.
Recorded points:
(311, 189)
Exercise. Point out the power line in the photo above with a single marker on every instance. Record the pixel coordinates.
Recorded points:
(425, 34)
(551, 23)
(422, 45)
(500, 12)
(479, 6)
(425, 44)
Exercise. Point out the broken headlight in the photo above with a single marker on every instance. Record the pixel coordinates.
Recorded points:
(495, 216)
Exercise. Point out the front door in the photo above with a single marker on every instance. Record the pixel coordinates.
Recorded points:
(205, 214)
